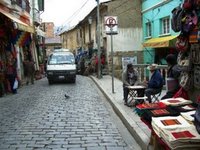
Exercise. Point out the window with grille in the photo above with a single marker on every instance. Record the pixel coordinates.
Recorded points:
(165, 25)
(148, 29)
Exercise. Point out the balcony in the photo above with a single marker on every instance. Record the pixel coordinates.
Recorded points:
(36, 17)
(23, 4)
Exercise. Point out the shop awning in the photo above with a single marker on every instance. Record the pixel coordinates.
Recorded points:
(26, 28)
(167, 41)
(19, 24)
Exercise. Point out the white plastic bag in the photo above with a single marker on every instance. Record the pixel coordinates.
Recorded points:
(15, 85)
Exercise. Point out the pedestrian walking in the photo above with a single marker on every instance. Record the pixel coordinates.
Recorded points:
(29, 71)
(82, 65)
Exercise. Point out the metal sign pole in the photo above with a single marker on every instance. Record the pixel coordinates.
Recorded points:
(98, 42)
(111, 29)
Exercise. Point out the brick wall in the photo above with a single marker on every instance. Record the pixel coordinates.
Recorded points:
(49, 29)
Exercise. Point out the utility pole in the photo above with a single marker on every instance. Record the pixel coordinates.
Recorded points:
(98, 42)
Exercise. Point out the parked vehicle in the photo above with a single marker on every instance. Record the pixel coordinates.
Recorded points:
(61, 66)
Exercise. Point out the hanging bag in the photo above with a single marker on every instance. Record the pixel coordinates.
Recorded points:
(189, 21)
(16, 83)
(197, 76)
(184, 61)
(186, 80)
(182, 43)
(176, 21)
(193, 35)
(188, 4)
(195, 53)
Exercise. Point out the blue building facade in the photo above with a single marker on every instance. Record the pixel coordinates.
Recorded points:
(158, 36)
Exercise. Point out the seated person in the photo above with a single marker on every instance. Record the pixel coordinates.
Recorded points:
(155, 84)
(173, 74)
(129, 78)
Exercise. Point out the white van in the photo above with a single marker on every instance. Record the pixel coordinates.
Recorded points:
(61, 66)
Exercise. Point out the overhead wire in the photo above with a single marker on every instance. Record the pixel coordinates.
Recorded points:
(70, 19)
(75, 13)
(113, 9)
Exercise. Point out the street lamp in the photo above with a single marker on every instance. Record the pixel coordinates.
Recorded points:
(90, 42)
(90, 22)
(98, 41)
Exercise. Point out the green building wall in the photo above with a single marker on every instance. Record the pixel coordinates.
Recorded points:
(153, 11)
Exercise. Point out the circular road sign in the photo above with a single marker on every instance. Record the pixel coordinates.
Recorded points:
(111, 22)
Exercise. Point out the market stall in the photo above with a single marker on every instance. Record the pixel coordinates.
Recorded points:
(172, 123)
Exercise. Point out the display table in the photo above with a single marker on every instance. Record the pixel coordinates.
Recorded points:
(136, 95)
(136, 91)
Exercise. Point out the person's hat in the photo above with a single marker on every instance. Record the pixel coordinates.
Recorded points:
(171, 59)
(152, 67)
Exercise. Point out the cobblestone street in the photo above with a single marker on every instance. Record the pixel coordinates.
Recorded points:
(39, 116)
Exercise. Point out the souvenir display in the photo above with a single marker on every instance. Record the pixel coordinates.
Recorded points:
(151, 105)
(169, 122)
(176, 101)
(182, 138)
(189, 116)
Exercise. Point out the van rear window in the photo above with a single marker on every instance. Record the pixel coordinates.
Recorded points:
(57, 59)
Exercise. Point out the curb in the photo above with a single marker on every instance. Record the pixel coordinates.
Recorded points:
(137, 133)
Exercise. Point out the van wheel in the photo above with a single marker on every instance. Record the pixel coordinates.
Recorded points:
(50, 82)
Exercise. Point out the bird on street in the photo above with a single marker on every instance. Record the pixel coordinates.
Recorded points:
(66, 96)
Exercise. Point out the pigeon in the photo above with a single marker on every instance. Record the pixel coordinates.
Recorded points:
(66, 96)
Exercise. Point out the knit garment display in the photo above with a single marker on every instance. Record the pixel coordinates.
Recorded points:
(168, 122)
(158, 105)
(176, 101)
(182, 138)
(189, 116)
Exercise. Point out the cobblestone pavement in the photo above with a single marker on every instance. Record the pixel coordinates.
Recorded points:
(39, 116)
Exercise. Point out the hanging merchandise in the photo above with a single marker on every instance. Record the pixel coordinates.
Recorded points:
(188, 4)
(190, 20)
(197, 4)
(182, 43)
(3, 37)
(193, 36)
(195, 53)
(24, 39)
(186, 80)
(176, 21)
(196, 76)
(15, 36)
(184, 61)
(197, 119)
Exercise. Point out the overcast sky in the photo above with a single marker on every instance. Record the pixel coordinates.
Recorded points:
(61, 11)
